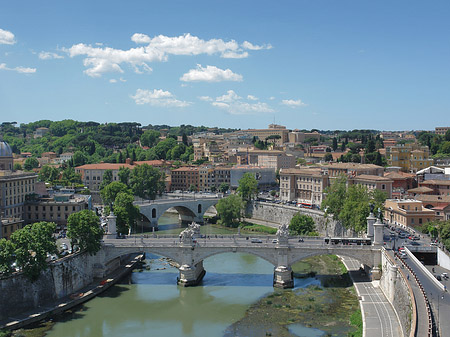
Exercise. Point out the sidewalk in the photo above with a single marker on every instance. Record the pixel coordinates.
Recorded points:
(71, 301)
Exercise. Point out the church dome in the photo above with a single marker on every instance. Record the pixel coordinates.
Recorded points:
(5, 149)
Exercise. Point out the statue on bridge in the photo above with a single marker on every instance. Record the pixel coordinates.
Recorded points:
(195, 227)
(283, 233)
(186, 236)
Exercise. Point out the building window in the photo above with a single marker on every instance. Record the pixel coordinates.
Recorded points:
(420, 221)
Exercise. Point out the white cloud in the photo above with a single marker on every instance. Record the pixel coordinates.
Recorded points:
(112, 80)
(272, 98)
(205, 98)
(293, 103)
(233, 104)
(45, 55)
(21, 70)
(252, 98)
(210, 74)
(158, 97)
(100, 59)
(141, 38)
(6, 37)
(250, 46)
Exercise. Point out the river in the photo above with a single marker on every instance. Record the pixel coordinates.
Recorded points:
(150, 303)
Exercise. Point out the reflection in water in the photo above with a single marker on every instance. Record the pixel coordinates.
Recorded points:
(152, 303)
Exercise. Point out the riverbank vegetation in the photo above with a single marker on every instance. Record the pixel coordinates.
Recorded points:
(331, 307)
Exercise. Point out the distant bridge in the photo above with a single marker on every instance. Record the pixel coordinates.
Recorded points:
(189, 209)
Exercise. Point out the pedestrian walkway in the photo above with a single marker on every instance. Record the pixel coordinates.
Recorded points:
(379, 317)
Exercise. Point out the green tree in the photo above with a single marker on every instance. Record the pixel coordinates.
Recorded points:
(48, 174)
(32, 243)
(335, 144)
(124, 175)
(248, 187)
(110, 192)
(83, 229)
(302, 224)
(78, 158)
(126, 212)
(149, 138)
(335, 196)
(328, 157)
(7, 258)
(224, 187)
(355, 208)
(31, 163)
(229, 210)
(193, 188)
(107, 179)
(17, 167)
(147, 181)
(69, 176)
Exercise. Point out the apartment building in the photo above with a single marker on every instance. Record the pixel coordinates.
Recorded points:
(372, 182)
(14, 188)
(184, 177)
(56, 209)
(304, 186)
(264, 176)
(407, 212)
(439, 187)
(409, 157)
(441, 130)
(352, 169)
(273, 130)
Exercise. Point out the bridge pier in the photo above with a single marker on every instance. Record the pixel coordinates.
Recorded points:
(191, 275)
(283, 277)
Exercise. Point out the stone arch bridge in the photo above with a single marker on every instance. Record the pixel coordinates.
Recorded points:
(190, 257)
(190, 210)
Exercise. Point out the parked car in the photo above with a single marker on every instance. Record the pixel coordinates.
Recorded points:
(275, 241)
(255, 240)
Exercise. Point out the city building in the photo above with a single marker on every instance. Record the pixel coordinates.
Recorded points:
(352, 169)
(401, 183)
(441, 130)
(6, 156)
(274, 130)
(56, 209)
(409, 157)
(373, 182)
(407, 212)
(264, 176)
(304, 186)
(297, 136)
(433, 173)
(184, 177)
(40, 132)
(439, 187)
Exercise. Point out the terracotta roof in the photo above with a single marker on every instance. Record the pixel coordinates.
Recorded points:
(435, 182)
(371, 177)
(185, 169)
(104, 166)
(353, 166)
(421, 189)
(306, 171)
(398, 176)
(433, 198)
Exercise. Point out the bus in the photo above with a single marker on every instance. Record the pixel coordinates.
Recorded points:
(349, 241)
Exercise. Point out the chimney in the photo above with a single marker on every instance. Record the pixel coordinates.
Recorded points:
(128, 161)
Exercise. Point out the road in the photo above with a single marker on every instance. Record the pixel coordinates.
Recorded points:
(378, 314)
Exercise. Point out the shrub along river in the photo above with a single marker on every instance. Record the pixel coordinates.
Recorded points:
(236, 298)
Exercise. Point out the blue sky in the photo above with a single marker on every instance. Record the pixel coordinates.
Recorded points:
(242, 64)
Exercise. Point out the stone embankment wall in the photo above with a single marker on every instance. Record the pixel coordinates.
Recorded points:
(395, 287)
(283, 214)
(63, 277)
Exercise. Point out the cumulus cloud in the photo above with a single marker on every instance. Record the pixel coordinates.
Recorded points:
(252, 98)
(158, 97)
(45, 55)
(235, 105)
(210, 74)
(6, 37)
(112, 80)
(293, 103)
(205, 98)
(99, 59)
(21, 70)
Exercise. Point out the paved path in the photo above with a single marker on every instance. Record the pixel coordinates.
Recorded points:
(379, 317)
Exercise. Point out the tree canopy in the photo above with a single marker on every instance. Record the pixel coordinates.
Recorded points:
(302, 224)
(229, 210)
(110, 191)
(147, 181)
(248, 187)
(83, 229)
